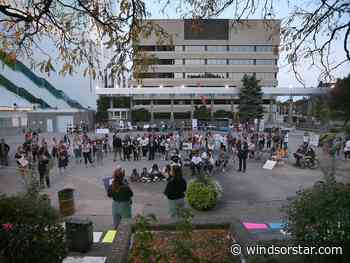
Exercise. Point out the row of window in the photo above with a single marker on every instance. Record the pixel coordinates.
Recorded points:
(212, 61)
(210, 48)
(206, 75)
(188, 102)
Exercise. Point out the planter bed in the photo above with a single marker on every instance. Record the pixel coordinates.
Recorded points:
(208, 245)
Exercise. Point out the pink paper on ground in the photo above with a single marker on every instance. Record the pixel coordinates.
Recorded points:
(254, 226)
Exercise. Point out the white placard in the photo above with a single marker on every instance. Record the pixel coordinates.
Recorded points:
(269, 165)
(102, 131)
(187, 146)
(194, 124)
(23, 162)
(15, 122)
(314, 140)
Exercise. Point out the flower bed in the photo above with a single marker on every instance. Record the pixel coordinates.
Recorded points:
(208, 245)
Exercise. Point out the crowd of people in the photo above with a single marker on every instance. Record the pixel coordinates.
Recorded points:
(202, 152)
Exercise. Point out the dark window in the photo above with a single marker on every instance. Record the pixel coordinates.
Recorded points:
(182, 115)
(206, 29)
(197, 102)
(142, 102)
(165, 48)
(146, 48)
(156, 48)
(162, 102)
(221, 101)
(155, 75)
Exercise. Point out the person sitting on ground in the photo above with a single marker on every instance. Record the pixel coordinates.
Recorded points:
(135, 176)
(155, 173)
(196, 163)
(144, 175)
(176, 158)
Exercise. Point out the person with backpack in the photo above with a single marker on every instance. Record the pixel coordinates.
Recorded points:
(242, 156)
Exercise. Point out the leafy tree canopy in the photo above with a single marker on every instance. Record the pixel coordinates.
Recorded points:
(340, 98)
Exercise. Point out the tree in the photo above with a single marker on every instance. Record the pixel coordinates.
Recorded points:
(223, 114)
(76, 31)
(250, 100)
(340, 98)
(201, 113)
(320, 216)
(102, 107)
(141, 115)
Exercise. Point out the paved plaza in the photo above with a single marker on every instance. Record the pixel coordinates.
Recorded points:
(257, 194)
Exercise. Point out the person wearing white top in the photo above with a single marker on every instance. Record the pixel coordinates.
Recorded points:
(196, 163)
(285, 141)
(347, 150)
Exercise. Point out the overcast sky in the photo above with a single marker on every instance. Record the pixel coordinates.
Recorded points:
(78, 87)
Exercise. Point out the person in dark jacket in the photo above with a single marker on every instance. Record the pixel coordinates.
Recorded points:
(175, 192)
(117, 147)
(122, 197)
(4, 152)
(242, 156)
(43, 166)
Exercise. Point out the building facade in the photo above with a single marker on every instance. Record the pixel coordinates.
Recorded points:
(210, 55)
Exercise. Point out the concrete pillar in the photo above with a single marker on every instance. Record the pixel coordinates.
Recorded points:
(212, 109)
(172, 110)
(192, 109)
(131, 107)
(309, 109)
(270, 111)
(152, 113)
(111, 107)
(290, 111)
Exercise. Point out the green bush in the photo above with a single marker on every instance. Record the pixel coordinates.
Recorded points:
(30, 230)
(320, 217)
(202, 195)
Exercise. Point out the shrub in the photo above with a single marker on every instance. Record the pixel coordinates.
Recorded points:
(320, 216)
(30, 230)
(203, 194)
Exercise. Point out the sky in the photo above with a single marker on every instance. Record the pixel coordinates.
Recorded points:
(79, 88)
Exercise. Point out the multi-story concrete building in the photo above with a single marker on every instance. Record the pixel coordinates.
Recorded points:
(205, 59)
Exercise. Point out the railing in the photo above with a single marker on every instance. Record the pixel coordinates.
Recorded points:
(41, 82)
(21, 92)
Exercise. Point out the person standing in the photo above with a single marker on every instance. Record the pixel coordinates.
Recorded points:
(4, 151)
(117, 147)
(122, 195)
(242, 156)
(175, 192)
(86, 149)
(62, 157)
(285, 141)
(77, 148)
(347, 149)
(43, 166)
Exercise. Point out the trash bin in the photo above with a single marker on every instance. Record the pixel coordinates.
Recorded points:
(79, 234)
(66, 202)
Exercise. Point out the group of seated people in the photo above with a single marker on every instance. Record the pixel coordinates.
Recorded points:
(205, 160)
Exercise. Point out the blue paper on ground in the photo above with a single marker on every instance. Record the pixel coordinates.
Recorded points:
(279, 225)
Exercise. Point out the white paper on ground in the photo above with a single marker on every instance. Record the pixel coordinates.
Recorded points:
(97, 236)
(269, 165)
(84, 260)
